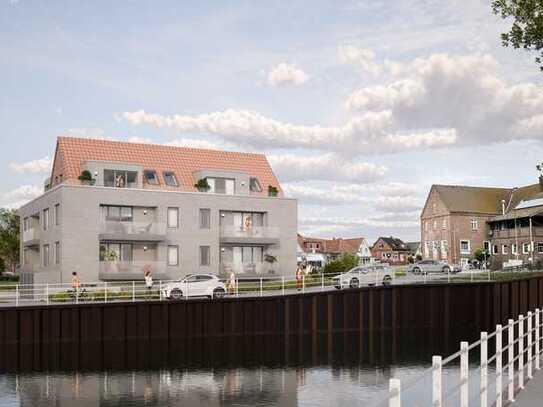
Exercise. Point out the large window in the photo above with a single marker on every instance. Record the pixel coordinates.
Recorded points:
(444, 224)
(204, 255)
(173, 255)
(45, 219)
(465, 247)
(243, 221)
(173, 218)
(45, 255)
(242, 254)
(205, 218)
(254, 185)
(504, 249)
(57, 252)
(150, 177)
(116, 252)
(57, 214)
(117, 213)
(221, 185)
(525, 248)
(474, 224)
(120, 179)
(540, 247)
(169, 178)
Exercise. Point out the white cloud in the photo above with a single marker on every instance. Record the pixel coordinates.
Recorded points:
(361, 58)
(395, 204)
(34, 166)
(369, 133)
(340, 221)
(19, 196)
(286, 74)
(291, 167)
(201, 143)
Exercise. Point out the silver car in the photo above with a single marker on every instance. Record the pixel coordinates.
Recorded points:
(364, 275)
(195, 285)
(430, 266)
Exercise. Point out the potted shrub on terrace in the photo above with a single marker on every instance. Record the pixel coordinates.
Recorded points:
(268, 258)
(202, 185)
(86, 178)
(272, 191)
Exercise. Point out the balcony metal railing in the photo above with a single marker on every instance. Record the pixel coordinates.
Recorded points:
(269, 232)
(132, 228)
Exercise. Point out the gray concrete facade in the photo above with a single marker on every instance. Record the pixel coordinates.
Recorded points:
(80, 230)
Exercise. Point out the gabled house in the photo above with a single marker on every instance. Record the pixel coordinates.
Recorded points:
(111, 209)
(318, 251)
(390, 250)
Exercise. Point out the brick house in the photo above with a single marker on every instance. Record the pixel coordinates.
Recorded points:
(320, 251)
(456, 220)
(391, 250)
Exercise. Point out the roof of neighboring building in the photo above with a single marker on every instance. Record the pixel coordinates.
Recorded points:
(484, 200)
(184, 161)
(413, 246)
(394, 243)
(335, 245)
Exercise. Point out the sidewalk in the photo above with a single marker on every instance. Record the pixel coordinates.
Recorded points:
(532, 394)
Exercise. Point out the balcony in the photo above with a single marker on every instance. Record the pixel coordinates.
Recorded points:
(133, 231)
(31, 237)
(254, 235)
(249, 269)
(131, 270)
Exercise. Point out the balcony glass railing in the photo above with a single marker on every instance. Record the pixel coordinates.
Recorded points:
(30, 234)
(133, 228)
(131, 269)
(253, 268)
(270, 232)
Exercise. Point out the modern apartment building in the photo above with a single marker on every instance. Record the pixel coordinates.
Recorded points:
(111, 209)
(458, 220)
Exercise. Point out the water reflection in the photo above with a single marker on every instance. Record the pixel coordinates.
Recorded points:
(348, 368)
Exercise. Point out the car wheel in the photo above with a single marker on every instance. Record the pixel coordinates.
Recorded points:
(176, 294)
(446, 269)
(387, 280)
(354, 283)
(416, 270)
(218, 293)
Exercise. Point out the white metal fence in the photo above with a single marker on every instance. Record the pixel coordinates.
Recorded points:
(522, 348)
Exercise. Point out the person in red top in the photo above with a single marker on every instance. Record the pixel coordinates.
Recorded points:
(299, 277)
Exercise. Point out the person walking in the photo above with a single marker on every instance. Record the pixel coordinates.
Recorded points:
(147, 275)
(299, 277)
(232, 283)
(76, 284)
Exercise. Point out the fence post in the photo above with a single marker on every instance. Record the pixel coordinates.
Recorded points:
(437, 392)
(394, 388)
(537, 335)
(499, 380)
(511, 365)
(521, 351)
(47, 293)
(484, 369)
(237, 287)
(160, 290)
(464, 385)
(105, 291)
(17, 294)
(133, 291)
(261, 286)
(283, 284)
(303, 283)
(530, 344)
(322, 281)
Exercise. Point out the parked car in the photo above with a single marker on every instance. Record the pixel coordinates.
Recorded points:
(432, 266)
(364, 275)
(195, 285)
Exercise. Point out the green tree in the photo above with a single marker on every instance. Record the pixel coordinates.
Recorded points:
(480, 255)
(527, 29)
(9, 238)
(342, 264)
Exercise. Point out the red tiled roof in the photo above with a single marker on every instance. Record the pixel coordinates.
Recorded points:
(338, 245)
(184, 161)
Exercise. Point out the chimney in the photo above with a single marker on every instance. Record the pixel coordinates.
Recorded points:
(503, 206)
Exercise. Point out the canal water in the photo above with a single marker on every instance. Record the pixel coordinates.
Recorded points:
(343, 369)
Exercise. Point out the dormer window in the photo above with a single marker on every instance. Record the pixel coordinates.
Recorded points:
(254, 185)
(221, 185)
(169, 178)
(150, 177)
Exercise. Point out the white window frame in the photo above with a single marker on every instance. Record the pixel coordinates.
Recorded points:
(172, 225)
(504, 249)
(474, 224)
(468, 251)
(444, 224)
(435, 225)
(200, 218)
(538, 247)
(171, 262)
(514, 249)
(524, 246)
(487, 247)
(45, 255)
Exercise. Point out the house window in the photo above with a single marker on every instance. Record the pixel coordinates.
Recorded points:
(465, 247)
(169, 178)
(45, 255)
(525, 248)
(173, 255)
(474, 224)
(504, 249)
(205, 221)
(486, 246)
(173, 217)
(435, 224)
(495, 249)
(254, 185)
(116, 252)
(57, 214)
(221, 185)
(57, 252)
(426, 226)
(514, 248)
(204, 255)
(117, 213)
(150, 177)
(45, 220)
(444, 224)
(540, 247)
(120, 179)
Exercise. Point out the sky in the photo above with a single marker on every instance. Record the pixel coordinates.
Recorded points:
(360, 106)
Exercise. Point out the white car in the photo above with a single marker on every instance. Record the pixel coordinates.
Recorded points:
(195, 285)
(364, 275)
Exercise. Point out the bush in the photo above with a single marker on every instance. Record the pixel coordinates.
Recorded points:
(85, 176)
(342, 264)
(9, 278)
